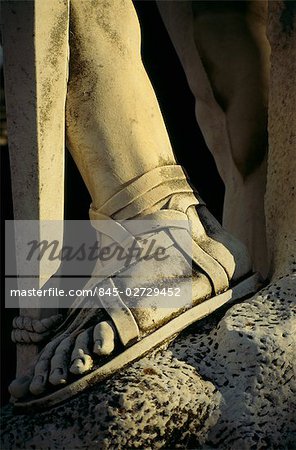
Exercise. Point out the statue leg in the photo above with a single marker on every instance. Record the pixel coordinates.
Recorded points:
(107, 79)
(118, 140)
(225, 54)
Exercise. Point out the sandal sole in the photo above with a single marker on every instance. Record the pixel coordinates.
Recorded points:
(148, 343)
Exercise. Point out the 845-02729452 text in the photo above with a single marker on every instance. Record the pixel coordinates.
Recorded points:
(98, 291)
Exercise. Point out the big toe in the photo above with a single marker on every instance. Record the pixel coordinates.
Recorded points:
(104, 339)
(20, 386)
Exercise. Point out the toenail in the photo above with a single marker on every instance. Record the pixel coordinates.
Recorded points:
(38, 379)
(77, 363)
(98, 343)
(56, 372)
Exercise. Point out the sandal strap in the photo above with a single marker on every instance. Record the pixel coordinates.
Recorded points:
(112, 228)
(183, 201)
(158, 220)
(125, 233)
(161, 193)
(123, 319)
(166, 184)
(141, 186)
(205, 262)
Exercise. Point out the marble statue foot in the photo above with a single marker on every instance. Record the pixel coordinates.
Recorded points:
(226, 383)
(104, 333)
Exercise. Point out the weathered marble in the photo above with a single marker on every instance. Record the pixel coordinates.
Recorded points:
(117, 137)
(35, 44)
(217, 51)
(226, 383)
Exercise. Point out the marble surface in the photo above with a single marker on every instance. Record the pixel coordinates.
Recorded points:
(227, 382)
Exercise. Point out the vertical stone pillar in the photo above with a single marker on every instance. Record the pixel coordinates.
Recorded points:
(280, 199)
(35, 43)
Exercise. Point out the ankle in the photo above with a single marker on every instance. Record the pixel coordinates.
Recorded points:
(146, 193)
(113, 185)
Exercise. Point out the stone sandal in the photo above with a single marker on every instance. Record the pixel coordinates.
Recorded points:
(163, 207)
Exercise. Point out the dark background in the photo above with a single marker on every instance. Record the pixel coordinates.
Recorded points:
(177, 105)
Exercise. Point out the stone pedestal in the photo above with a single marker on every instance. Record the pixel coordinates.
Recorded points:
(225, 383)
